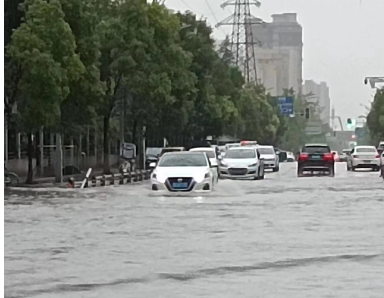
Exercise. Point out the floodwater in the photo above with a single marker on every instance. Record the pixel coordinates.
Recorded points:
(281, 237)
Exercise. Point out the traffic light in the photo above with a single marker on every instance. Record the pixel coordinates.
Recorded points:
(307, 113)
(349, 122)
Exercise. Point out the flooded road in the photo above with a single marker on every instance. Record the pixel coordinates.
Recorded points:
(281, 237)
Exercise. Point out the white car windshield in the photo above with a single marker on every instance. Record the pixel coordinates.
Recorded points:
(372, 150)
(240, 153)
(210, 154)
(183, 160)
(266, 151)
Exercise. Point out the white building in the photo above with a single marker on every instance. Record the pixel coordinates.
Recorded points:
(321, 96)
(280, 57)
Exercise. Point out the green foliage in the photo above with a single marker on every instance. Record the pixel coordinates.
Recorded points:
(259, 118)
(44, 48)
(82, 62)
(375, 119)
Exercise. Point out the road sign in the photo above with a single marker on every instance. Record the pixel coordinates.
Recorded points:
(286, 105)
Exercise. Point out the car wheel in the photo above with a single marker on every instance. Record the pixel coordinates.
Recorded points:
(262, 175)
(300, 172)
(276, 169)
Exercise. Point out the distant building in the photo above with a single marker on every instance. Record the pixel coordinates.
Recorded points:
(320, 96)
(280, 56)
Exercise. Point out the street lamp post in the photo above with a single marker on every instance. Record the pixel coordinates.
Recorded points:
(373, 81)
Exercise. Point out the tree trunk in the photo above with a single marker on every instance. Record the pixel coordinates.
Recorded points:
(134, 129)
(107, 169)
(30, 160)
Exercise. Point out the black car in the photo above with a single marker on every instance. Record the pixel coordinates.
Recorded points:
(316, 158)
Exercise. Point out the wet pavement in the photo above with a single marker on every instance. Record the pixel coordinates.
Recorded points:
(281, 237)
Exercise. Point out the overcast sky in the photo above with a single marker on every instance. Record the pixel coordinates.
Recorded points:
(343, 42)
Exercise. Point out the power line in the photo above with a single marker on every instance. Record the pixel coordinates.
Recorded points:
(214, 16)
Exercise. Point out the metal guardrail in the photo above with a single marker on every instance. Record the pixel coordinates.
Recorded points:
(115, 179)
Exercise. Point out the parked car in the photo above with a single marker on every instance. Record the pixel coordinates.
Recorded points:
(152, 155)
(344, 155)
(183, 172)
(242, 162)
(364, 157)
(290, 157)
(271, 159)
(316, 158)
(213, 158)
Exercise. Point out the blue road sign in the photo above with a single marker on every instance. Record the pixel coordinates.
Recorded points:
(286, 105)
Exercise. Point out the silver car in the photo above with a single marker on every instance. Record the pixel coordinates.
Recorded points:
(363, 157)
(242, 162)
(271, 159)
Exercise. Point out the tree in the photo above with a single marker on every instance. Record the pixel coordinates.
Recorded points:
(44, 47)
(260, 121)
(140, 52)
(375, 119)
(217, 83)
(79, 108)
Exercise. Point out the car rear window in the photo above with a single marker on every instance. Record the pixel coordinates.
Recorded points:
(266, 151)
(316, 149)
(372, 150)
(183, 160)
(210, 154)
(241, 153)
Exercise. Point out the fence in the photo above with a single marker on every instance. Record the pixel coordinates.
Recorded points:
(116, 179)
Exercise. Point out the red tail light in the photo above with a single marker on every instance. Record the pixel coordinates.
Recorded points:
(328, 157)
(354, 156)
(303, 156)
(377, 156)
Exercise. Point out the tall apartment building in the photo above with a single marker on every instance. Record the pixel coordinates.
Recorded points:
(280, 57)
(320, 96)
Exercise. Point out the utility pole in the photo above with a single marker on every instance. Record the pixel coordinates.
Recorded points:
(242, 41)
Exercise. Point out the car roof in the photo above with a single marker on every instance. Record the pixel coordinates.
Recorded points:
(202, 149)
(316, 145)
(182, 153)
(166, 148)
(243, 148)
(265, 146)
(367, 146)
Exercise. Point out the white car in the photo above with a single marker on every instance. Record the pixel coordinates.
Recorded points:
(183, 172)
(232, 145)
(271, 159)
(213, 158)
(290, 157)
(242, 162)
(363, 157)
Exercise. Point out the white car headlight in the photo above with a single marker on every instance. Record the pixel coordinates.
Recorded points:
(223, 164)
(253, 165)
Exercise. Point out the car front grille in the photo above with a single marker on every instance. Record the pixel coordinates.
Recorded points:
(187, 182)
(237, 172)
